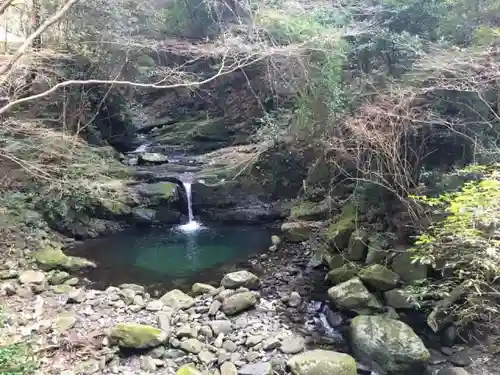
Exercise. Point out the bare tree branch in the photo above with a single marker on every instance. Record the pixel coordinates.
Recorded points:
(4, 5)
(28, 42)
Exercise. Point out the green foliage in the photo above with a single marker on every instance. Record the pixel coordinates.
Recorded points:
(189, 18)
(464, 245)
(16, 359)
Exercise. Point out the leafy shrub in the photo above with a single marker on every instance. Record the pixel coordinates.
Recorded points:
(464, 246)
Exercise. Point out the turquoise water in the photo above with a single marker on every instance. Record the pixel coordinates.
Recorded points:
(165, 258)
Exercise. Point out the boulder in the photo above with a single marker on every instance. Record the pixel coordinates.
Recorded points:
(239, 302)
(292, 345)
(177, 299)
(53, 258)
(192, 346)
(452, 371)
(387, 344)
(376, 256)
(199, 289)
(235, 280)
(32, 277)
(400, 299)
(352, 295)
(152, 158)
(322, 362)
(379, 277)
(221, 326)
(408, 270)
(228, 368)
(358, 246)
(298, 231)
(261, 368)
(334, 260)
(136, 336)
(342, 274)
(188, 369)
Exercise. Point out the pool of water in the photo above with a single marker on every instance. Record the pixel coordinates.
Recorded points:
(166, 258)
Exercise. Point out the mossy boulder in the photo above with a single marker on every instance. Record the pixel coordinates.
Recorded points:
(322, 362)
(342, 274)
(298, 231)
(358, 246)
(379, 277)
(333, 260)
(352, 295)
(188, 369)
(310, 211)
(339, 232)
(136, 336)
(387, 344)
(409, 271)
(51, 258)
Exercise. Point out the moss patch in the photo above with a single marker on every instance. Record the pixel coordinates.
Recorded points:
(53, 258)
(339, 232)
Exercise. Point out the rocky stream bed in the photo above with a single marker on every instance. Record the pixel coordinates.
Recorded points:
(275, 322)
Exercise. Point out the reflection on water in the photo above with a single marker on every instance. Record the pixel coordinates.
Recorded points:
(170, 257)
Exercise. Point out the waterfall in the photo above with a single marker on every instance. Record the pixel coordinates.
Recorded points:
(191, 225)
(187, 187)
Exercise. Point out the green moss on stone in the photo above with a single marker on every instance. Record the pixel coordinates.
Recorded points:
(53, 258)
(137, 336)
(322, 362)
(339, 232)
(342, 274)
(188, 369)
(306, 210)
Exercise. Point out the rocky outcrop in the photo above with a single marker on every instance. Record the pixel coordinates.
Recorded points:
(408, 270)
(176, 299)
(388, 344)
(298, 231)
(239, 302)
(322, 362)
(352, 295)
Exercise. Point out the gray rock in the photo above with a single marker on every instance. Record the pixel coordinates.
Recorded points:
(153, 158)
(353, 295)
(239, 302)
(8, 289)
(207, 332)
(228, 368)
(187, 330)
(252, 356)
(379, 277)
(219, 340)
(176, 299)
(238, 279)
(199, 289)
(271, 343)
(292, 345)
(461, 358)
(32, 277)
(149, 363)
(206, 357)
(154, 305)
(452, 371)
(163, 320)
(387, 344)
(64, 322)
(294, 300)
(229, 346)
(214, 307)
(261, 368)
(400, 299)
(408, 270)
(357, 248)
(191, 346)
(253, 340)
(221, 326)
(322, 362)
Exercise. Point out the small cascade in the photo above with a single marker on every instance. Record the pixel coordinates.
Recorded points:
(191, 225)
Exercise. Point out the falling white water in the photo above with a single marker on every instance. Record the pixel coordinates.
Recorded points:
(191, 225)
